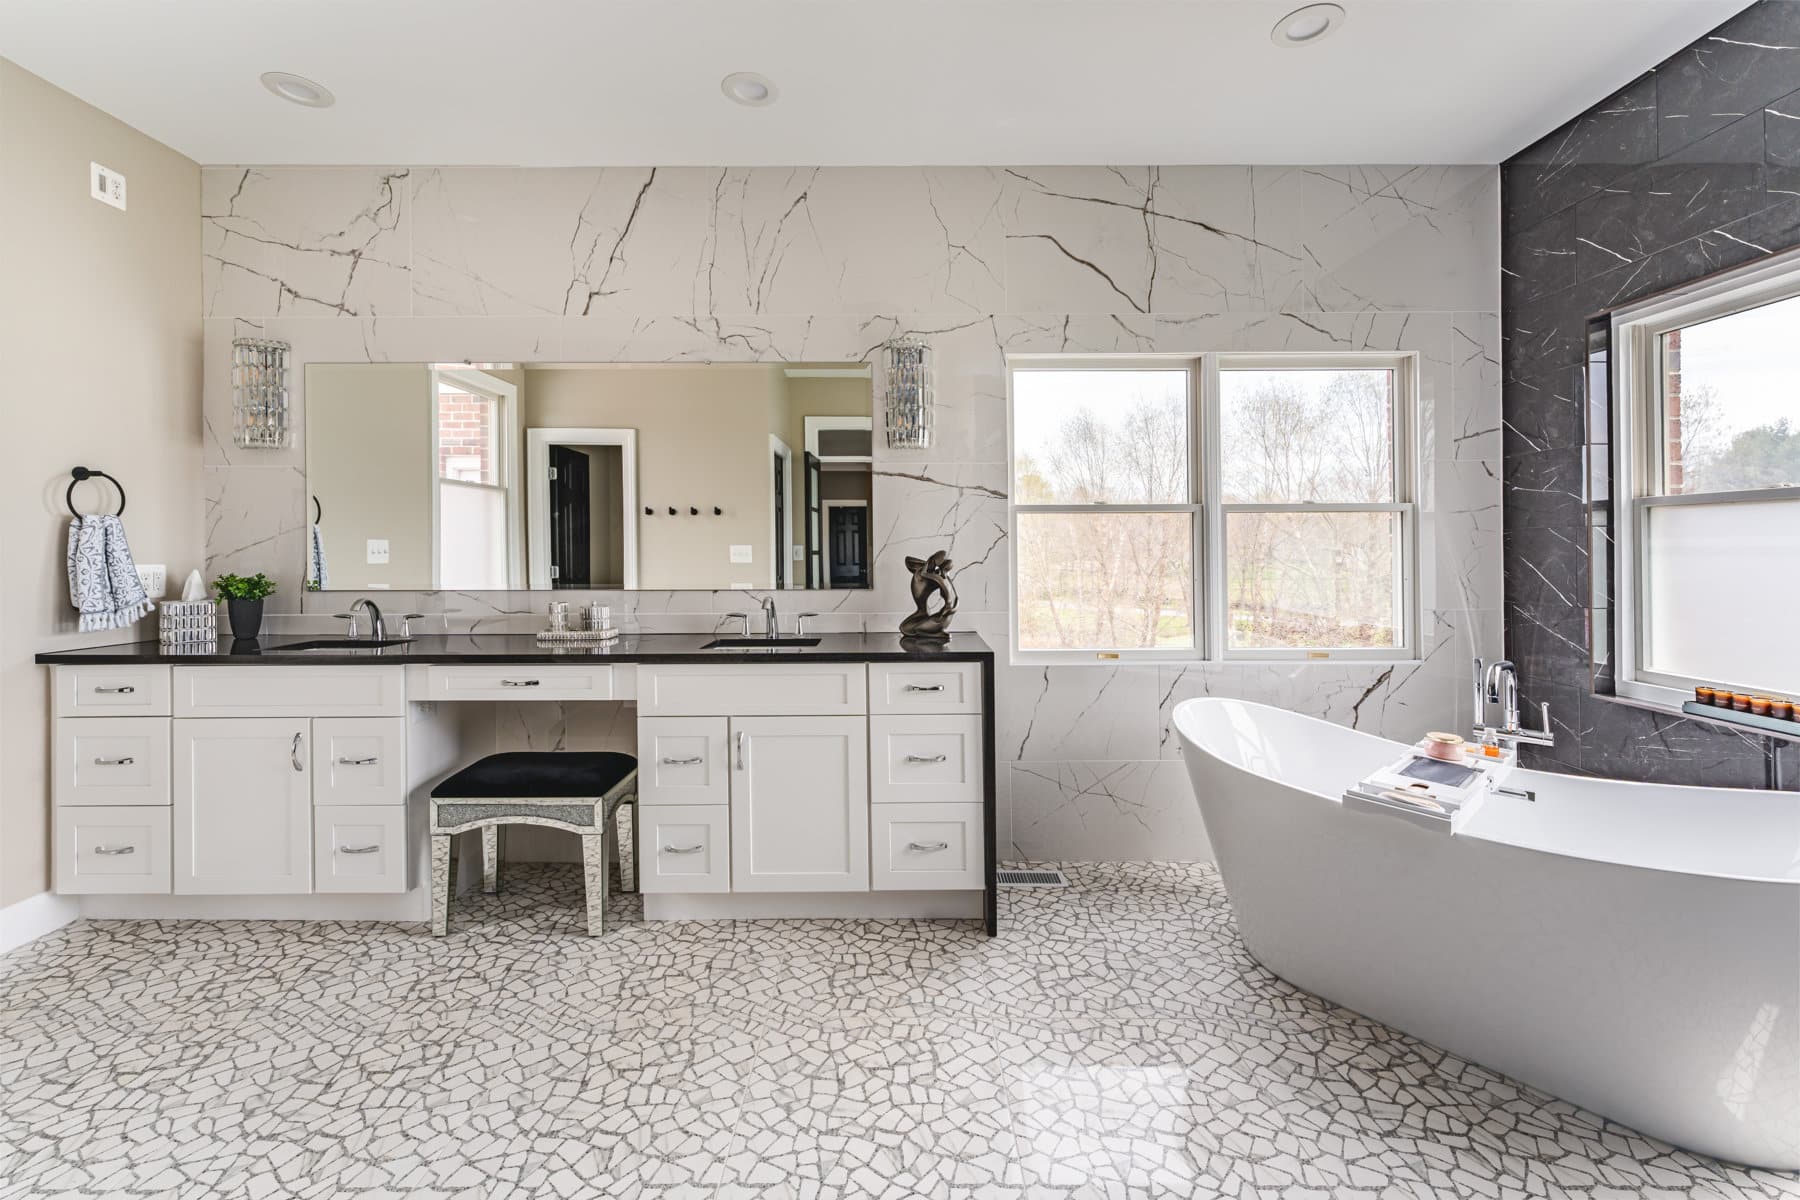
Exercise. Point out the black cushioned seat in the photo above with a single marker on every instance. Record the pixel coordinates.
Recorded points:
(523, 774)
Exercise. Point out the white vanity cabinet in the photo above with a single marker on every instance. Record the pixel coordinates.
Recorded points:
(230, 780)
(821, 795)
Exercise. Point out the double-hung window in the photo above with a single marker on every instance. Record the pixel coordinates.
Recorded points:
(1706, 470)
(1217, 506)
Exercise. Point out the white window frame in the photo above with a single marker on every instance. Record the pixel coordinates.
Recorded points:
(1403, 451)
(508, 424)
(1207, 509)
(1639, 442)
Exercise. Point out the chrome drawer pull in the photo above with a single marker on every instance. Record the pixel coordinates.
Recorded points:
(111, 850)
(926, 758)
(359, 762)
(927, 847)
(520, 682)
(122, 690)
(682, 849)
(294, 754)
(924, 687)
(682, 762)
(358, 849)
(114, 762)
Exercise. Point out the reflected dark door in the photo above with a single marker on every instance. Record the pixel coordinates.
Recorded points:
(849, 542)
(781, 535)
(571, 538)
(814, 576)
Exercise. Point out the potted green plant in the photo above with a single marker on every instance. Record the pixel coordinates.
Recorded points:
(243, 596)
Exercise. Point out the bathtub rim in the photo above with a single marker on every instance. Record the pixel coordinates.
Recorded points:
(1543, 782)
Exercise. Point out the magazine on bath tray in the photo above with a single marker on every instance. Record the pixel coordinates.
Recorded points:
(1434, 783)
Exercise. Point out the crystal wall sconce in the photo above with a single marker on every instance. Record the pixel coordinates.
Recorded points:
(909, 402)
(259, 395)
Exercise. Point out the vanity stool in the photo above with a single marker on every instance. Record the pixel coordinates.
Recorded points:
(583, 792)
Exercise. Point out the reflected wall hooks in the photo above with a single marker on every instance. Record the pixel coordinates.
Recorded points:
(650, 511)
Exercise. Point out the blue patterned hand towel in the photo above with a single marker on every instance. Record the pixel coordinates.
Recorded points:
(103, 580)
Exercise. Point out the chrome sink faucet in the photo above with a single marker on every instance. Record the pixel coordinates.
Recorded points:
(772, 627)
(377, 627)
(1499, 684)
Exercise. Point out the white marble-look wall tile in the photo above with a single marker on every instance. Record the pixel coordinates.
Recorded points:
(305, 241)
(1472, 429)
(698, 264)
(254, 523)
(1397, 237)
(1109, 810)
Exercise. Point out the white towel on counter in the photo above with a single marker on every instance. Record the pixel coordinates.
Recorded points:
(103, 580)
(317, 578)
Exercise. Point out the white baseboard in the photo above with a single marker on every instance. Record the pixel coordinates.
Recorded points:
(33, 917)
(690, 906)
(414, 905)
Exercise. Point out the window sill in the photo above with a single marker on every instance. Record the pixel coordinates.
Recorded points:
(1679, 713)
(1089, 658)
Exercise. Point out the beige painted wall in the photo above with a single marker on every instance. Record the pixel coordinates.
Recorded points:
(100, 345)
(703, 438)
(368, 460)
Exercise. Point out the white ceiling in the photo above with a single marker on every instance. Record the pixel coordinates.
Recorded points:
(636, 82)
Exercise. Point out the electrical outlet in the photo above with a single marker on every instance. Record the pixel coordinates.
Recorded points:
(155, 578)
(378, 552)
(740, 554)
(106, 185)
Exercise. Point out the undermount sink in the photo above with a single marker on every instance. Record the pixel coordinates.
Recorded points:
(753, 643)
(337, 644)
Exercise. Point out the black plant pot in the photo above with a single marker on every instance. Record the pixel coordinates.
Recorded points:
(246, 617)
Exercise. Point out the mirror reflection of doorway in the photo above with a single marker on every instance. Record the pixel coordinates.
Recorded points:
(587, 515)
(582, 501)
(781, 527)
(847, 543)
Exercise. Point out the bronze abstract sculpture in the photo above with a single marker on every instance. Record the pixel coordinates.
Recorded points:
(930, 575)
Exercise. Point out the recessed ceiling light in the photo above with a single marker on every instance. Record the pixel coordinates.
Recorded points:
(298, 89)
(747, 87)
(1304, 26)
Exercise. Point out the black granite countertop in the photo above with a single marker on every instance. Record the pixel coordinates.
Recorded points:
(523, 648)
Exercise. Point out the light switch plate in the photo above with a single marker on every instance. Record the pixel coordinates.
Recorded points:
(106, 185)
(740, 554)
(378, 552)
(155, 578)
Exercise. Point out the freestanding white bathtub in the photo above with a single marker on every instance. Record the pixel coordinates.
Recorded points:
(1633, 948)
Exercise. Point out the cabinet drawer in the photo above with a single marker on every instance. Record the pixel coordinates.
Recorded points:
(927, 847)
(684, 848)
(738, 689)
(682, 760)
(924, 688)
(111, 760)
(296, 691)
(359, 760)
(925, 759)
(359, 848)
(116, 849)
(112, 691)
(527, 681)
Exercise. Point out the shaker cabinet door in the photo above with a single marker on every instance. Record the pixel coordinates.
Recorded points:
(799, 804)
(243, 806)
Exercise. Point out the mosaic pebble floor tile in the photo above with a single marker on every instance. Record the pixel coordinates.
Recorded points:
(1114, 1042)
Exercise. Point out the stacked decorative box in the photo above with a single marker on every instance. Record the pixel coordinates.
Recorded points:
(188, 623)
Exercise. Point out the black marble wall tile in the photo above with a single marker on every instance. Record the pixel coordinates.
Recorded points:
(1691, 169)
(1733, 71)
(1586, 154)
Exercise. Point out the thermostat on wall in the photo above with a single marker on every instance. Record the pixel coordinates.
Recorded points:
(107, 185)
